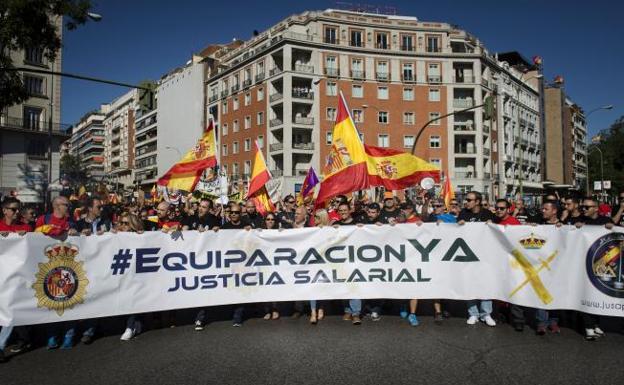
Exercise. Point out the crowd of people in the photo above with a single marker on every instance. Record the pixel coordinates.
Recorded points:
(95, 215)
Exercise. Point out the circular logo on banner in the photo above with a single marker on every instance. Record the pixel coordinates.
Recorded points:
(61, 282)
(605, 264)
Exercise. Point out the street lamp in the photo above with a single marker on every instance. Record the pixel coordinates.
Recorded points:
(605, 107)
(174, 149)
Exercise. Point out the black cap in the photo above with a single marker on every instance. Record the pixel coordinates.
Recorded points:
(374, 206)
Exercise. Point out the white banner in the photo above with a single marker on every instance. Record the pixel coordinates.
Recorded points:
(46, 280)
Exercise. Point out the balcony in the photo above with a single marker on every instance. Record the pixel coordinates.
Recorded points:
(246, 83)
(303, 120)
(235, 88)
(29, 125)
(213, 98)
(464, 79)
(465, 150)
(382, 76)
(276, 147)
(463, 103)
(486, 152)
(303, 94)
(259, 77)
(275, 97)
(303, 146)
(486, 129)
(355, 74)
(356, 43)
(409, 78)
(275, 71)
(464, 127)
(304, 68)
(465, 174)
(485, 82)
(408, 47)
(331, 40)
(487, 175)
(224, 93)
(434, 79)
(275, 122)
(277, 173)
(332, 72)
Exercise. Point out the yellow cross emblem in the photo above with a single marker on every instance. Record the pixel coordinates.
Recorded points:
(532, 275)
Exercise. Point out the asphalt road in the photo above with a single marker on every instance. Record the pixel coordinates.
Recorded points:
(289, 351)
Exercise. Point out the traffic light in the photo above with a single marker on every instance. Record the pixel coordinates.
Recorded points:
(488, 107)
(146, 95)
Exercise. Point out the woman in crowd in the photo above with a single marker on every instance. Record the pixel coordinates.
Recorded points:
(271, 310)
(321, 218)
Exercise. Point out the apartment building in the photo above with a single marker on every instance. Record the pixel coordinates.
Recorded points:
(29, 129)
(119, 139)
(145, 154)
(397, 73)
(566, 138)
(87, 142)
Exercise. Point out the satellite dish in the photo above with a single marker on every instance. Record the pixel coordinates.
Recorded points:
(427, 183)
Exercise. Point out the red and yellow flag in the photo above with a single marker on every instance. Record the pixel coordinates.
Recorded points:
(185, 174)
(345, 167)
(447, 193)
(257, 191)
(397, 170)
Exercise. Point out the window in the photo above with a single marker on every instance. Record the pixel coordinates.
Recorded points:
(433, 73)
(433, 44)
(224, 129)
(330, 114)
(434, 95)
(436, 162)
(408, 94)
(330, 62)
(357, 68)
(260, 118)
(32, 117)
(382, 93)
(260, 141)
(235, 147)
(331, 35)
(248, 144)
(358, 116)
(382, 70)
(34, 55)
(408, 72)
(225, 168)
(225, 150)
(434, 141)
(260, 94)
(235, 102)
(356, 38)
(260, 68)
(382, 117)
(357, 91)
(37, 148)
(328, 138)
(407, 42)
(383, 140)
(247, 122)
(235, 169)
(247, 98)
(331, 89)
(433, 115)
(408, 141)
(382, 40)
(408, 118)
(34, 85)
(235, 126)
(247, 167)
(224, 107)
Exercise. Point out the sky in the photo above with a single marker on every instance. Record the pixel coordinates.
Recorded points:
(141, 39)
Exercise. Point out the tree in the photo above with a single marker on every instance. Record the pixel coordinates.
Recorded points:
(72, 170)
(611, 144)
(28, 24)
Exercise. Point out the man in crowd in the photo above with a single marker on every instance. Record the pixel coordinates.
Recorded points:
(390, 213)
(92, 222)
(372, 215)
(252, 217)
(572, 213)
(409, 213)
(618, 211)
(29, 216)
(438, 214)
(166, 221)
(475, 213)
(354, 308)
(287, 215)
(56, 223)
(203, 219)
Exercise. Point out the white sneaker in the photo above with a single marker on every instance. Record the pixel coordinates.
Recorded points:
(489, 321)
(127, 335)
(199, 326)
(590, 334)
(472, 320)
(599, 332)
(375, 316)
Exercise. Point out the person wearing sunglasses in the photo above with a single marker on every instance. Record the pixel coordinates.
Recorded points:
(92, 222)
(286, 216)
(235, 220)
(57, 223)
(202, 219)
(252, 217)
(29, 216)
(317, 311)
(271, 309)
(438, 214)
(455, 208)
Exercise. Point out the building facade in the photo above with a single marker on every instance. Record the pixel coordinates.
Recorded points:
(145, 154)
(566, 138)
(119, 139)
(87, 143)
(30, 129)
(396, 73)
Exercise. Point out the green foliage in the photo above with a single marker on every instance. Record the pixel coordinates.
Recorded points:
(72, 170)
(30, 24)
(611, 144)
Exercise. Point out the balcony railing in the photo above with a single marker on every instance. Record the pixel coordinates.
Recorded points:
(275, 71)
(235, 88)
(409, 78)
(434, 79)
(487, 175)
(465, 174)
(213, 98)
(486, 152)
(383, 76)
(277, 173)
(275, 97)
(246, 83)
(356, 43)
(408, 47)
(463, 103)
(465, 151)
(304, 68)
(275, 122)
(34, 125)
(303, 120)
(485, 83)
(303, 94)
(332, 72)
(463, 79)
(355, 74)
(276, 146)
(303, 146)
(330, 40)
(259, 77)
(224, 93)
(464, 127)
(486, 129)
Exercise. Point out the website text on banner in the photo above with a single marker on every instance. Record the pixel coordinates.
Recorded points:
(45, 280)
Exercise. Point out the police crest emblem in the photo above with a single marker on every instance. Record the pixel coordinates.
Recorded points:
(61, 283)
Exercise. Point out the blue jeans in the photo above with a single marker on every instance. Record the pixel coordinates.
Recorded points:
(543, 317)
(5, 334)
(354, 308)
(473, 310)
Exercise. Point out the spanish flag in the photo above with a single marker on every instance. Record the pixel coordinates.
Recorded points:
(345, 168)
(185, 174)
(397, 170)
(447, 193)
(257, 191)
